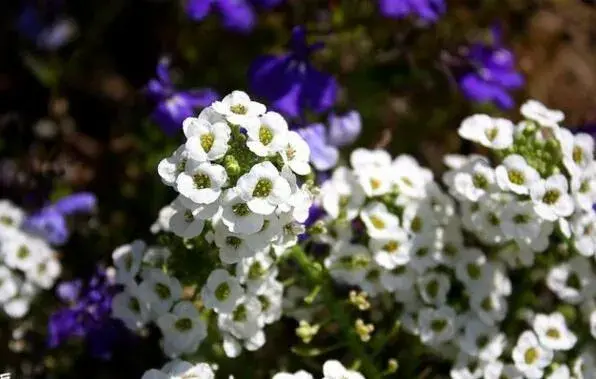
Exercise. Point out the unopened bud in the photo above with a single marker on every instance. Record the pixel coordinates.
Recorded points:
(364, 330)
(306, 332)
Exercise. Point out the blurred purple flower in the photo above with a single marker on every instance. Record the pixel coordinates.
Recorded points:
(174, 106)
(344, 129)
(323, 155)
(290, 82)
(427, 10)
(238, 15)
(50, 221)
(86, 315)
(46, 35)
(493, 73)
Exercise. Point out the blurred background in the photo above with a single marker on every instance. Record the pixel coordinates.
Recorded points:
(92, 93)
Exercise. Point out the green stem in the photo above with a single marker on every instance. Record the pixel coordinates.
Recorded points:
(317, 275)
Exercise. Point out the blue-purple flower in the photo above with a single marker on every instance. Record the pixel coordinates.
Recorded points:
(174, 106)
(492, 73)
(46, 35)
(324, 144)
(426, 10)
(50, 222)
(237, 15)
(290, 82)
(86, 315)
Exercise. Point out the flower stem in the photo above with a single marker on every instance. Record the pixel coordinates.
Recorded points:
(316, 274)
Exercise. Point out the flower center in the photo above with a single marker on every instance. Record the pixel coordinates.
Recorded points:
(183, 324)
(375, 183)
(516, 177)
(577, 154)
(290, 152)
(551, 196)
(181, 165)
(573, 281)
(377, 222)
(240, 313)
(482, 341)
(222, 292)
(128, 262)
(487, 304)
(256, 271)
(432, 288)
(438, 325)
(584, 186)
(391, 246)
(207, 140)
(553, 333)
(162, 291)
(134, 305)
(188, 217)
(233, 241)
(491, 133)
(416, 224)
(265, 302)
(421, 253)
(373, 275)
(479, 181)
(407, 181)
(5, 220)
(474, 271)
(263, 188)
(450, 250)
(23, 252)
(202, 181)
(265, 135)
(42, 267)
(238, 109)
(493, 219)
(531, 355)
(240, 209)
(521, 218)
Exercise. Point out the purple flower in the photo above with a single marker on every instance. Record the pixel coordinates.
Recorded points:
(492, 73)
(46, 35)
(174, 106)
(238, 15)
(86, 315)
(427, 10)
(344, 129)
(290, 82)
(323, 155)
(50, 221)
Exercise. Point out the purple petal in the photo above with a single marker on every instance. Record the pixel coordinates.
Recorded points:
(267, 3)
(345, 129)
(68, 292)
(199, 98)
(395, 9)
(197, 10)
(49, 224)
(76, 203)
(170, 113)
(319, 91)
(237, 15)
(322, 155)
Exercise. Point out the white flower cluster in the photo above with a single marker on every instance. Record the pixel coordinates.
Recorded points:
(237, 176)
(332, 369)
(178, 369)
(447, 258)
(27, 263)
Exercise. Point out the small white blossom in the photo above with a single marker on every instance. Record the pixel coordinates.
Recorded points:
(222, 292)
(238, 109)
(296, 154)
(494, 133)
(436, 325)
(182, 328)
(552, 332)
(516, 175)
(536, 111)
(268, 137)
(201, 182)
(263, 188)
(530, 357)
(551, 198)
(335, 370)
(159, 290)
(206, 141)
(127, 259)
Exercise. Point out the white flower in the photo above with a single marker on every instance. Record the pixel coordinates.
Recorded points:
(201, 182)
(516, 175)
(268, 137)
(410, 177)
(130, 308)
(333, 369)
(348, 262)
(390, 252)
(376, 181)
(185, 222)
(436, 325)
(263, 188)
(8, 284)
(362, 159)
(572, 281)
(423, 252)
(551, 198)
(237, 216)
(583, 188)
(222, 292)
(379, 221)
(182, 328)
(474, 181)
(584, 233)
(418, 218)
(297, 375)
(472, 268)
(206, 141)
(244, 321)
(239, 109)
(490, 306)
(536, 111)
(127, 260)
(256, 271)
(530, 358)
(552, 332)
(498, 370)
(232, 246)
(561, 372)
(482, 341)
(159, 290)
(296, 154)
(169, 168)
(11, 216)
(178, 369)
(433, 288)
(163, 220)
(578, 151)
(592, 323)
(494, 133)
(342, 195)
(45, 272)
(22, 251)
(520, 222)
(270, 294)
